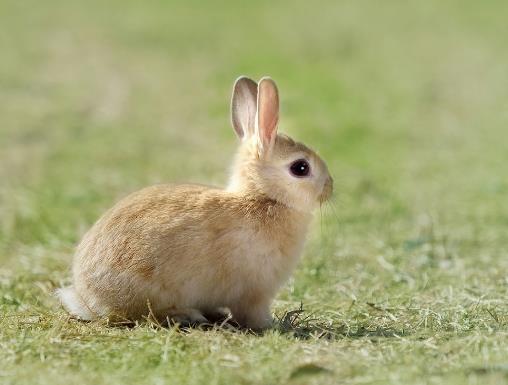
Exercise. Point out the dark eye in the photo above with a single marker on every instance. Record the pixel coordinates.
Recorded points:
(300, 168)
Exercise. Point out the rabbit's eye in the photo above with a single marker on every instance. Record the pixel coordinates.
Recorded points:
(300, 168)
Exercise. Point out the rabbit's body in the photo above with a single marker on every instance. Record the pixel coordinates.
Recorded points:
(183, 251)
(187, 247)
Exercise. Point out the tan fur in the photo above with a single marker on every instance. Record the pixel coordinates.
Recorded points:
(190, 249)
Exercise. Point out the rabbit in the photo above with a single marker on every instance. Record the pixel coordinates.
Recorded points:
(180, 252)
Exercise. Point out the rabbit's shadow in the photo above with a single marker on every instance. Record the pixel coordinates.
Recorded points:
(294, 323)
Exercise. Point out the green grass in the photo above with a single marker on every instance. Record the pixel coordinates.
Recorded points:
(404, 280)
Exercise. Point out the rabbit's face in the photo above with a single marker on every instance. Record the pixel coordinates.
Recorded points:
(290, 173)
(294, 175)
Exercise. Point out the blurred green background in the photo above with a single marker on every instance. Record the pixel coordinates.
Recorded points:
(406, 270)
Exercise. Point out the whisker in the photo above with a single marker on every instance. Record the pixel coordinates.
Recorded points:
(334, 211)
(327, 231)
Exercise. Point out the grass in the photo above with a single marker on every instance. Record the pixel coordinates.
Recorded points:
(404, 279)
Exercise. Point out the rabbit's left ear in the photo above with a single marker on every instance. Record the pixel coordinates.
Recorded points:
(243, 107)
(267, 116)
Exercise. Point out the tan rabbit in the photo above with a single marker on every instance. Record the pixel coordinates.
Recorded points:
(183, 251)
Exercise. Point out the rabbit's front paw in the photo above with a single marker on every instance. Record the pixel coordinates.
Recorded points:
(257, 318)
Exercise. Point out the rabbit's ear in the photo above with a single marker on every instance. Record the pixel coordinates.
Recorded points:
(243, 107)
(267, 113)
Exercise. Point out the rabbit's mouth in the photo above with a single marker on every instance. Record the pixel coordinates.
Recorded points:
(326, 193)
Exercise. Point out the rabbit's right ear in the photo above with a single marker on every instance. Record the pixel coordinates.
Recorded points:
(244, 106)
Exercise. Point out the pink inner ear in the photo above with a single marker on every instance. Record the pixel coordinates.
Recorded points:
(268, 113)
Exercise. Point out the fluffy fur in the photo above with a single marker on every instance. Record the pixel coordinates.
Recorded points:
(183, 251)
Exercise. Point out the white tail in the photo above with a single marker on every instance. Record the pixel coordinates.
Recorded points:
(73, 304)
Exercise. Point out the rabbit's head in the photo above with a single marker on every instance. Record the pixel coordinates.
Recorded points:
(268, 163)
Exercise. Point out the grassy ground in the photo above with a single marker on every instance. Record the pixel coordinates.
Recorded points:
(404, 280)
